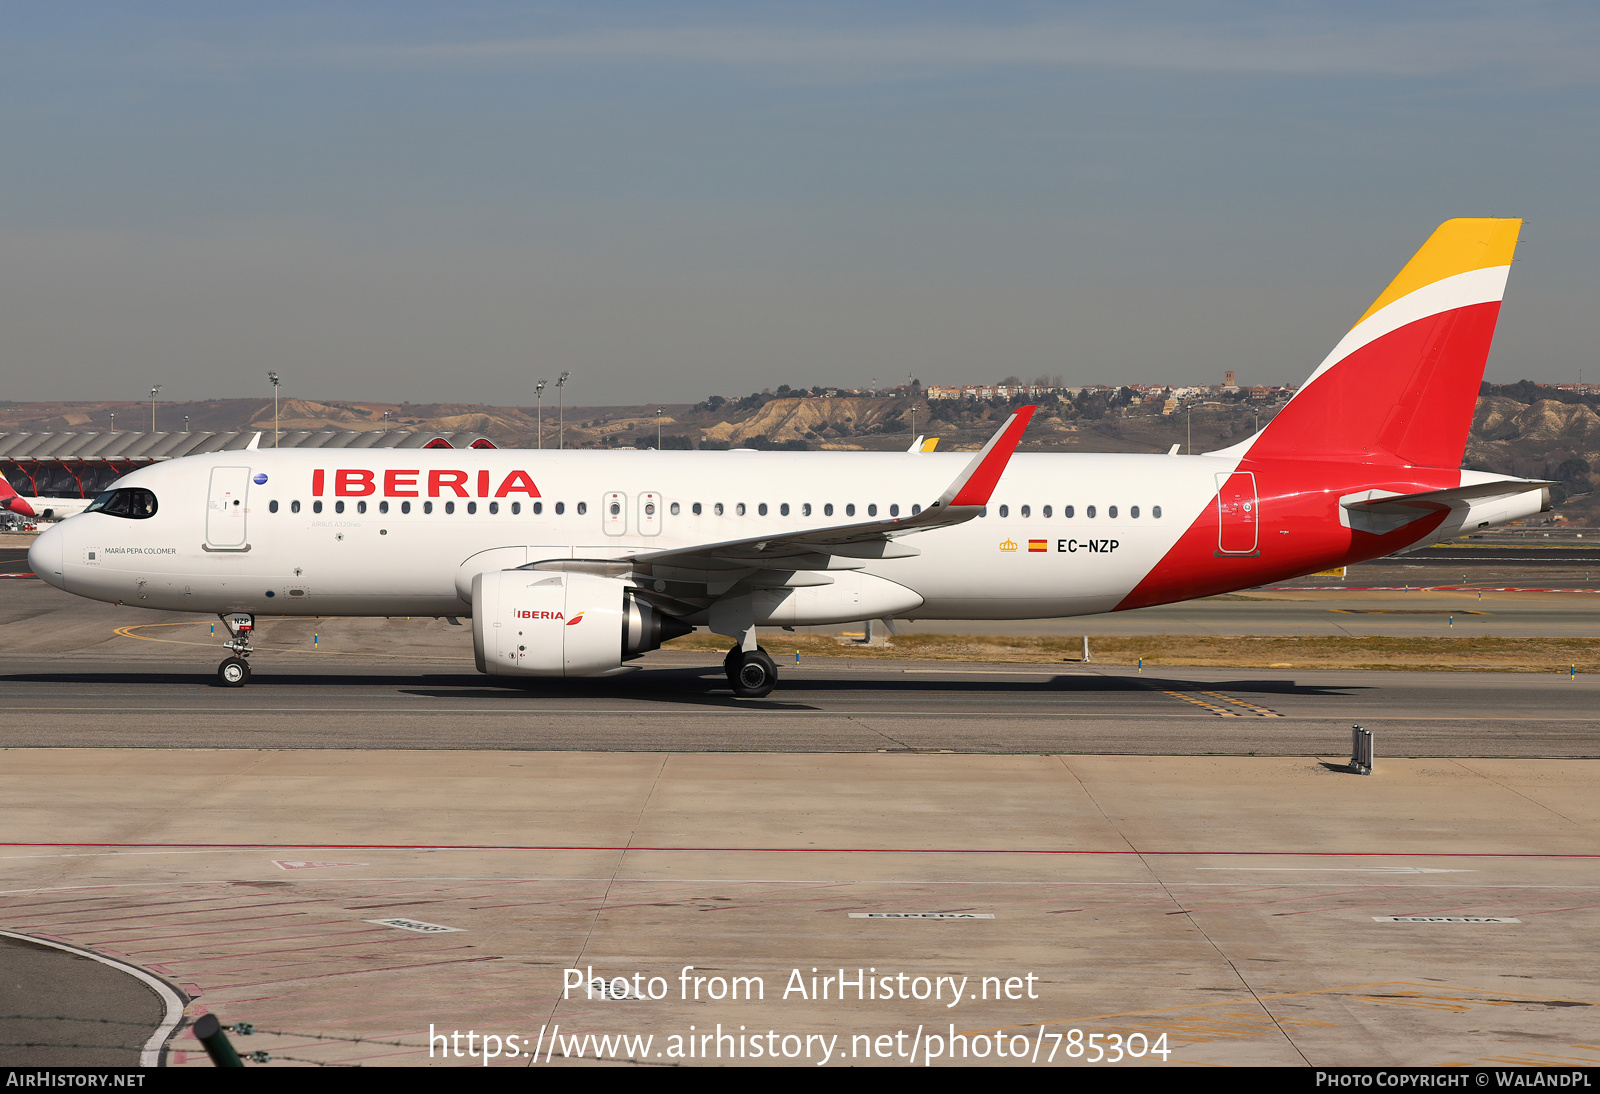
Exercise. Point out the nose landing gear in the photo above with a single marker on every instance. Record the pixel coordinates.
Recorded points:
(234, 672)
(752, 673)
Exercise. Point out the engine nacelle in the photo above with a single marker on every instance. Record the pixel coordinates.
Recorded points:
(538, 623)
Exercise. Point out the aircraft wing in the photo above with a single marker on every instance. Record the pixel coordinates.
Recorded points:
(821, 548)
(962, 500)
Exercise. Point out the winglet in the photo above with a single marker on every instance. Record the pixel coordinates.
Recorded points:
(978, 481)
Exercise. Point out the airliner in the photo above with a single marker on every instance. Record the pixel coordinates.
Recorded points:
(575, 563)
(46, 508)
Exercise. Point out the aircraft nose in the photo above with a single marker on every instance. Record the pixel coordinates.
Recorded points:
(47, 555)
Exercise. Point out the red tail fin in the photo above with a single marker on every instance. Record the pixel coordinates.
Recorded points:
(1402, 385)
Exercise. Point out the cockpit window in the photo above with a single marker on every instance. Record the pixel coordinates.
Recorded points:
(134, 503)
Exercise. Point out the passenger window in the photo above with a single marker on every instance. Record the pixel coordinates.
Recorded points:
(516, 508)
(894, 510)
(405, 507)
(383, 507)
(561, 507)
(805, 509)
(472, 508)
(538, 507)
(827, 509)
(783, 510)
(1027, 511)
(316, 506)
(762, 509)
(1155, 511)
(338, 507)
(739, 509)
(674, 509)
(1005, 510)
(361, 507)
(272, 506)
(983, 512)
(494, 508)
(1134, 512)
(294, 507)
(717, 508)
(450, 508)
(872, 510)
(1089, 512)
(695, 509)
(1067, 512)
(850, 510)
(1047, 512)
(915, 509)
(1111, 512)
(583, 507)
(427, 508)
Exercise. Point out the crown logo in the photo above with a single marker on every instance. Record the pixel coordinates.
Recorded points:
(1008, 545)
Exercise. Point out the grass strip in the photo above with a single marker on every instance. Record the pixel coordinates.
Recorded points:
(1474, 654)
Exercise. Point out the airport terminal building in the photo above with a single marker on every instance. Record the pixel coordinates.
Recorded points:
(81, 465)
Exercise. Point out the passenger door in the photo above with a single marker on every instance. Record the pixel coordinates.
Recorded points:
(226, 508)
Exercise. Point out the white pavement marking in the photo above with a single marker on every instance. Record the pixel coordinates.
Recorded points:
(1337, 869)
(150, 1055)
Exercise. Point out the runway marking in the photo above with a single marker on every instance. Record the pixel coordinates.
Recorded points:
(1337, 869)
(1201, 703)
(1444, 919)
(300, 864)
(127, 632)
(1002, 672)
(1264, 712)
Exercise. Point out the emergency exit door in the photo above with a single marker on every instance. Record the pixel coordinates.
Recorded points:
(227, 507)
(1238, 513)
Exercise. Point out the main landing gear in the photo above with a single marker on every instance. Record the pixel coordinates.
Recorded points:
(234, 672)
(752, 673)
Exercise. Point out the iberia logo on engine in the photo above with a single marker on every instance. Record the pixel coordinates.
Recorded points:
(542, 615)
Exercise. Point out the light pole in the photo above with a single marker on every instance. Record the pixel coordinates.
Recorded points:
(538, 394)
(113, 421)
(913, 419)
(186, 423)
(155, 389)
(561, 411)
(660, 410)
(273, 377)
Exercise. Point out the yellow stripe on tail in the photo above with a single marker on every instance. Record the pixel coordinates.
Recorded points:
(1456, 247)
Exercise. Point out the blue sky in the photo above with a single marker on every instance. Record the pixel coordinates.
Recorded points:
(443, 203)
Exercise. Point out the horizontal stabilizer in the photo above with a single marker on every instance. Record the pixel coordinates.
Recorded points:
(1433, 500)
(1379, 512)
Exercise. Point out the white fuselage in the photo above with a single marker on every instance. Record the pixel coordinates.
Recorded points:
(264, 532)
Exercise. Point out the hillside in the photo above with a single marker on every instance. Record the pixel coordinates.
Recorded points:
(1525, 429)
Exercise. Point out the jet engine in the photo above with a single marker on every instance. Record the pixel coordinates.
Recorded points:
(538, 623)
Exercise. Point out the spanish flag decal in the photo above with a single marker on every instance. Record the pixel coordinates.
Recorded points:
(1038, 545)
